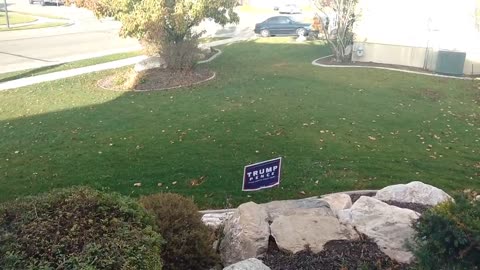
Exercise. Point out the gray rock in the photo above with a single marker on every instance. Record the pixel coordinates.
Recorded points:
(216, 220)
(389, 226)
(249, 264)
(200, 56)
(338, 201)
(246, 234)
(150, 63)
(293, 207)
(293, 233)
(414, 192)
(205, 49)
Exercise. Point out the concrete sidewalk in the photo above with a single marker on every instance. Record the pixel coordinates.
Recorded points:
(69, 73)
(95, 68)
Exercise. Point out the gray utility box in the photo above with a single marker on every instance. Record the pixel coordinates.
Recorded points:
(450, 62)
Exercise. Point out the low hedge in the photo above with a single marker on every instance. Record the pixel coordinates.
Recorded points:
(77, 228)
(448, 235)
(189, 242)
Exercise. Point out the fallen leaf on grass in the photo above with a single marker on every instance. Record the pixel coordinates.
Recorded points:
(137, 184)
(372, 138)
(302, 192)
(197, 182)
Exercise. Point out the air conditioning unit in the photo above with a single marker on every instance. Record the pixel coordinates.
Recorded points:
(450, 62)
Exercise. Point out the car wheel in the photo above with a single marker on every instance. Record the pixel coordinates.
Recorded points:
(301, 31)
(265, 33)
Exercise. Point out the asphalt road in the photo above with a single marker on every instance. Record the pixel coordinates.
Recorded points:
(87, 37)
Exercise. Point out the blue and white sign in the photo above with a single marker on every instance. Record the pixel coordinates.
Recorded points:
(265, 174)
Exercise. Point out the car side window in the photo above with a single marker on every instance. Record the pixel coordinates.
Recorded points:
(273, 20)
(284, 20)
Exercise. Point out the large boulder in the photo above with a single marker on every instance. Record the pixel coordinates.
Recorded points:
(205, 49)
(307, 228)
(338, 201)
(293, 207)
(389, 226)
(414, 192)
(246, 234)
(215, 220)
(249, 264)
(150, 63)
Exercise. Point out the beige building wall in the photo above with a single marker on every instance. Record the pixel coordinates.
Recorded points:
(393, 38)
(390, 54)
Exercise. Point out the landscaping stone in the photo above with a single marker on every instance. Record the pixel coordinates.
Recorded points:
(414, 192)
(200, 56)
(215, 220)
(292, 207)
(249, 264)
(389, 226)
(150, 63)
(246, 234)
(205, 49)
(338, 201)
(307, 228)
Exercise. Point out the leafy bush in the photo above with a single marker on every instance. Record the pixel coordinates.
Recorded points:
(77, 228)
(448, 235)
(189, 242)
(181, 56)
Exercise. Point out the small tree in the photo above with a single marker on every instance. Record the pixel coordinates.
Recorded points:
(340, 38)
(165, 24)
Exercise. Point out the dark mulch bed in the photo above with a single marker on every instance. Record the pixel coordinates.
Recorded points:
(163, 78)
(337, 255)
(420, 208)
(355, 197)
(330, 61)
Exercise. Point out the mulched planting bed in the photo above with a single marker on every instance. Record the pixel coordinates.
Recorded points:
(355, 197)
(330, 61)
(420, 208)
(337, 255)
(163, 78)
(417, 207)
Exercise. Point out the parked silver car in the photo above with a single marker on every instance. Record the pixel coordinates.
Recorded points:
(289, 9)
(44, 2)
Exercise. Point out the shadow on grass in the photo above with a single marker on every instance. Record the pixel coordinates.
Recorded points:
(29, 73)
(267, 101)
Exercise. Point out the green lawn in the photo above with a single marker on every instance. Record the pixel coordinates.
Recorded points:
(34, 26)
(337, 129)
(76, 64)
(15, 18)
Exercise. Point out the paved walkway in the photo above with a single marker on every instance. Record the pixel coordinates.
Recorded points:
(95, 68)
(39, 20)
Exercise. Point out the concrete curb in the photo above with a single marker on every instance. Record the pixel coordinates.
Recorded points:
(217, 54)
(314, 62)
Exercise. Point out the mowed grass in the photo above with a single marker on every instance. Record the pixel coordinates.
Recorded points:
(4, 77)
(15, 18)
(336, 129)
(34, 26)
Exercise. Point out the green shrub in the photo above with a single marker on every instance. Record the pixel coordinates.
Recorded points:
(448, 235)
(77, 228)
(189, 242)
